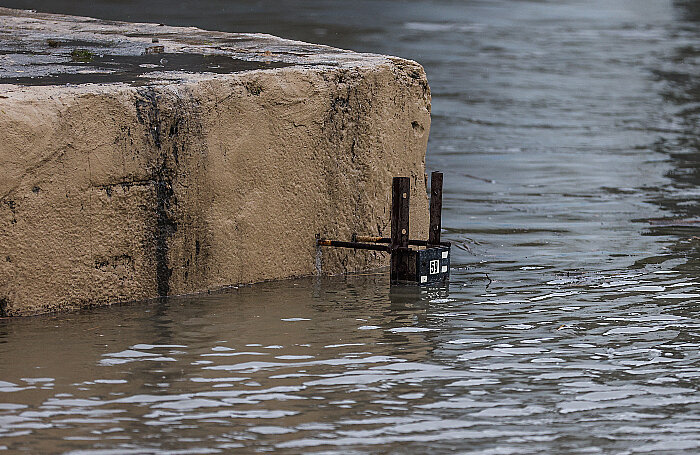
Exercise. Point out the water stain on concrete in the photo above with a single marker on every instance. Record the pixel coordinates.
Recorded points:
(105, 68)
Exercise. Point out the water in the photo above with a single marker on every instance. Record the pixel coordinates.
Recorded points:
(570, 326)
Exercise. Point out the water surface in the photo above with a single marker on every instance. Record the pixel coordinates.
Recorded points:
(571, 322)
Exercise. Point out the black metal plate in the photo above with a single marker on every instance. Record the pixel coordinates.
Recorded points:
(433, 265)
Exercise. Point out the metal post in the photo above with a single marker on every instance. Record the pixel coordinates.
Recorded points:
(435, 208)
(400, 196)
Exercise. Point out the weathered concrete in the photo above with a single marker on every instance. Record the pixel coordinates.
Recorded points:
(130, 171)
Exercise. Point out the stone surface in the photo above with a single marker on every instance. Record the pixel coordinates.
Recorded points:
(139, 160)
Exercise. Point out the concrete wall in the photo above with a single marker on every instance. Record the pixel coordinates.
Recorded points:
(116, 192)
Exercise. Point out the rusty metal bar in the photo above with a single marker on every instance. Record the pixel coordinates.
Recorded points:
(355, 245)
(435, 208)
(373, 239)
(370, 238)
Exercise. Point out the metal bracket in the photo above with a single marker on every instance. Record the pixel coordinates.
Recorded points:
(427, 264)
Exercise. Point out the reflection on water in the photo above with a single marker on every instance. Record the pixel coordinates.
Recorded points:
(570, 324)
(346, 363)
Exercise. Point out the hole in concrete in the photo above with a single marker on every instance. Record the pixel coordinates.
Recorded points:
(417, 128)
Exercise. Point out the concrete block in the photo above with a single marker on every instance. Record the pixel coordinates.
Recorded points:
(139, 160)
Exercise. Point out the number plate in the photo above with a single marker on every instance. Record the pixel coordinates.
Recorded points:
(434, 267)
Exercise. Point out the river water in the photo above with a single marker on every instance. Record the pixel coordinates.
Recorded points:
(571, 324)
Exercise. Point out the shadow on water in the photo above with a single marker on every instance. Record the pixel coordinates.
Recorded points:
(679, 87)
(689, 10)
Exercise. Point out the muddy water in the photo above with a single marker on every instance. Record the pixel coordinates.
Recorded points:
(571, 324)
